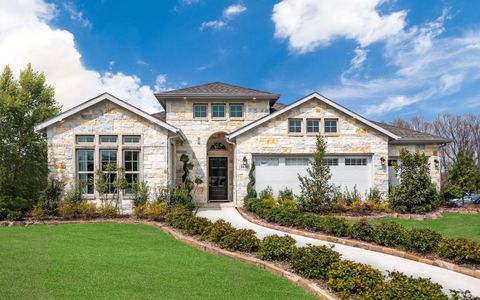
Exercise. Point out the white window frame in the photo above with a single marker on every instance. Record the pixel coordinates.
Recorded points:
(195, 105)
(86, 172)
(301, 126)
(137, 172)
(239, 105)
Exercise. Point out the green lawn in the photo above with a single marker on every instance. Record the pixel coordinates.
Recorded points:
(124, 261)
(450, 225)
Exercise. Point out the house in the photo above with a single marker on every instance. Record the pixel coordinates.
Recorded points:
(223, 129)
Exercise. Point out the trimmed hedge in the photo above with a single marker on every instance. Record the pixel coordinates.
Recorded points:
(274, 247)
(243, 240)
(389, 234)
(314, 261)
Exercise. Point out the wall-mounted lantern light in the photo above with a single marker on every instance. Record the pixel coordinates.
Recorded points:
(245, 162)
(382, 160)
(198, 140)
(437, 163)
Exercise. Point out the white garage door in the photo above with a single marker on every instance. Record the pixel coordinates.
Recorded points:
(280, 172)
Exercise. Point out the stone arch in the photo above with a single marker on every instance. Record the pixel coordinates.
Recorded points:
(219, 168)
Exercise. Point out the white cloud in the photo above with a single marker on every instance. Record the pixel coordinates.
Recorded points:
(308, 24)
(234, 10)
(216, 24)
(359, 58)
(426, 67)
(77, 15)
(26, 37)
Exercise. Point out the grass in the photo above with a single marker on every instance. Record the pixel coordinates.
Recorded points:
(450, 225)
(124, 261)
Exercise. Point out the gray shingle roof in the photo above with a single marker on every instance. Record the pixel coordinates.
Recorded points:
(411, 136)
(161, 115)
(216, 90)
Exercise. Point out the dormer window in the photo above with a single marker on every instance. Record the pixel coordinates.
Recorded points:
(200, 110)
(236, 110)
(218, 110)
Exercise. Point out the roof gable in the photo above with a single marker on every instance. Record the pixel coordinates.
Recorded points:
(299, 102)
(111, 98)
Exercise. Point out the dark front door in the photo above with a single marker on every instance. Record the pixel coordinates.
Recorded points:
(217, 178)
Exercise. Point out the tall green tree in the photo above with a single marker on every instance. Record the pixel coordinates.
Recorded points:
(463, 177)
(315, 189)
(24, 103)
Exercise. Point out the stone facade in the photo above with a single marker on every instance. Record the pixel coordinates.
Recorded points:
(106, 118)
(272, 137)
(201, 132)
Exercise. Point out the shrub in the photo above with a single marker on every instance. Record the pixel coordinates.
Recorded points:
(197, 226)
(422, 240)
(14, 216)
(462, 295)
(286, 194)
(178, 216)
(38, 212)
(181, 196)
(267, 193)
(139, 211)
(74, 196)
(139, 193)
(251, 204)
(288, 203)
(274, 247)
(460, 250)
(3, 213)
(155, 211)
(108, 211)
(361, 230)
(400, 286)
(389, 234)
(381, 206)
(251, 192)
(50, 196)
(86, 210)
(162, 194)
(349, 278)
(374, 195)
(334, 226)
(241, 240)
(309, 221)
(401, 209)
(415, 185)
(420, 210)
(284, 216)
(314, 261)
(67, 209)
(219, 230)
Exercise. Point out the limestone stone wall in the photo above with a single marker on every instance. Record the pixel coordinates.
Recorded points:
(430, 150)
(272, 137)
(179, 113)
(106, 118)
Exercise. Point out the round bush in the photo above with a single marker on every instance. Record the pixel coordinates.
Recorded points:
(178, 216)
(349, 278)
(38, 212)
(460, 250)
(219, 230)
(243, 240)
(361, 230)
(155, 211)
(66, 209)
(314, 261)
(197, 226)
(422, 240)
(274, 247)
(86, 210)
(389, 234)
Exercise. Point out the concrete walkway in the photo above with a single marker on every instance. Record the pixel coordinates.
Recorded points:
(384, 262)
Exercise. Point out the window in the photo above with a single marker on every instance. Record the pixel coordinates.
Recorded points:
(355, 161)
(330, 126)
(313, 125)
(267, 161)
(85, 171)
(132, 170)
(218, 146)
(200, 110)
(131, 139)
(330, 161)
(297, 161)
(218, 110)
(108, 161)
(83, 139)
(236, 110)
(294, 125)
(108, 139)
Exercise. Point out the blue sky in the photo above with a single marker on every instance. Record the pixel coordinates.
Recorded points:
(383, 59)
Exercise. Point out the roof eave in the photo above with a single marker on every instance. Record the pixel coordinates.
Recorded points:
(419, 141)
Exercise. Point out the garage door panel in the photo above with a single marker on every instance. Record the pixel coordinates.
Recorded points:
(281, 172)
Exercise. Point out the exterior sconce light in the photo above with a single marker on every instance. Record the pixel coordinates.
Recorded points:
(198, 140)
(437, 163)
(245, 162)
(382, 160)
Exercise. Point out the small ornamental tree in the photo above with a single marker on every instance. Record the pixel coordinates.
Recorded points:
(463, 177)
(251, 192)
(415, 191)
(315, 190)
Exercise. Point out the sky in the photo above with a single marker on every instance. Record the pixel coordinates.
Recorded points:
(381, 58)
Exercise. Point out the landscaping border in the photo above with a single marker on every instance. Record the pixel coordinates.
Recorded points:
(306, 284)
(368, 246)
(428, 216)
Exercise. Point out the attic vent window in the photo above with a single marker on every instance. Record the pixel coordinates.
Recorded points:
(218, 146)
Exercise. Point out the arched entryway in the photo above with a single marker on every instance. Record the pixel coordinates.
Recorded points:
(220, 168)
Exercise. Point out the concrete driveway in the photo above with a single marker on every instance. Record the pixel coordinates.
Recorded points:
(384, 262)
